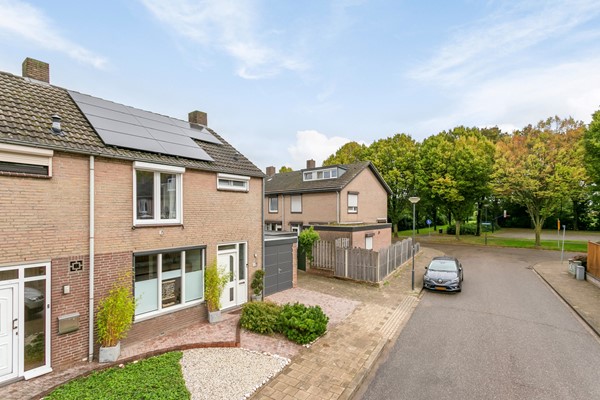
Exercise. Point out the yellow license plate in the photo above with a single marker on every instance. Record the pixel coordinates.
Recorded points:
(440, 288)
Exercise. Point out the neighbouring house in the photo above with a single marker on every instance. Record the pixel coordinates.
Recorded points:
(340, 201)
(91, 190)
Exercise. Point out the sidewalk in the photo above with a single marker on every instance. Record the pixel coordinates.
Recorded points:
(335, 366)
(582, 296)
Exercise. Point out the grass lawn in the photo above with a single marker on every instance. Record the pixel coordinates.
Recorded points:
(570, 245)
(153, 378)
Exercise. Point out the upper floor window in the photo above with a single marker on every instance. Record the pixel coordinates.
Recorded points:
(352, 203)
(233, 182)
(273, 204)
(328, 173)
(25, 160)
(296, 203)
(157, 194)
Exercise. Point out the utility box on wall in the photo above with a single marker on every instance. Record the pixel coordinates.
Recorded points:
(68, 323)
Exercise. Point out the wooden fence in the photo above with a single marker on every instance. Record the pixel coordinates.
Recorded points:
(361, 264)
(593, 260)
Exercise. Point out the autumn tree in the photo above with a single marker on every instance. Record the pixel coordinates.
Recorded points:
(349, 153)
(532, 169)
(455, 169)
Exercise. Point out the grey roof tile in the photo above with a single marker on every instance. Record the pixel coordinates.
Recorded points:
(292, 182)
(26, 108)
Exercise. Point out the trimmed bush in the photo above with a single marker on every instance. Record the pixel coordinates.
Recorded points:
(260, 317)
(302, 324)
(465, 229)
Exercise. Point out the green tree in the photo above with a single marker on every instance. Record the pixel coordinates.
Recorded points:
(455, 169)
(306, 239)
(349, 153)
(591, 141)
(532, 169)
(285, 169)
(395, 158)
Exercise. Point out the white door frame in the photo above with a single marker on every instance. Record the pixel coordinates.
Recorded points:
(239, 284)
(9, 330)
(18, 285)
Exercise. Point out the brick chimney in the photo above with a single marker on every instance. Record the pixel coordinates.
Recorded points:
(310, 164)
(198, 117)
(37, 70)
(270, 171)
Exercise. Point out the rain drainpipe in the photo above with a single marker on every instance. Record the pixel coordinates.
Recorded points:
(337, 206)
(91, 318)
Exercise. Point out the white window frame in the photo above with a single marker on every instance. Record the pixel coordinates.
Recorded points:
(157, 169)
(296, 203)
(352, 203)
(369, 242)
(320, 174)
(296, 228)
(16, 154)
(160, 310)
(276, 209)
(226, 182)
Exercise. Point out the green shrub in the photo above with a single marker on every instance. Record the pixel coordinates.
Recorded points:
(465, 229)
(306, 239)
(214, 283)
(115, 312)
(302, 324)
(260, 317)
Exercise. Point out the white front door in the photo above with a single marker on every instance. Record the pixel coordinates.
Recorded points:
(8, 332)
(227, 261)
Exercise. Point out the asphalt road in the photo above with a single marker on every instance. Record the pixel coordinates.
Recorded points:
(506, 336)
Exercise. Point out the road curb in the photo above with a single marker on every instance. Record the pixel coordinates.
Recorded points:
(581, 316)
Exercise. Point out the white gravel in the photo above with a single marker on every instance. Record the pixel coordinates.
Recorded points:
(228, 373)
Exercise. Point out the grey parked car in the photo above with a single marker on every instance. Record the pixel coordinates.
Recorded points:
(443, 273)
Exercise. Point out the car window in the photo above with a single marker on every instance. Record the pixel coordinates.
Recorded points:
(442, 265)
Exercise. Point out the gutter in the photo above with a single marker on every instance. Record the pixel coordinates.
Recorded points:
(262, 232)
(337, 206)
(92, 251)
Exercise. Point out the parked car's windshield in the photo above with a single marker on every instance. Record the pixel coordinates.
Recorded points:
(442, 265)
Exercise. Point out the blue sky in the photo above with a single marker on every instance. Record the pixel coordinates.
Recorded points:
(285, 81)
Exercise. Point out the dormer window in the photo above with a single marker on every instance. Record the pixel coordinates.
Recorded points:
(329, 173)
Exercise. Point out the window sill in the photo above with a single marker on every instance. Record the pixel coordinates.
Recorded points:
(155, 314)
(24, 175)
(156, 225)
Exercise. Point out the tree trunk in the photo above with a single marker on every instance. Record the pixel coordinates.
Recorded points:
(457, 225)
(478, 229)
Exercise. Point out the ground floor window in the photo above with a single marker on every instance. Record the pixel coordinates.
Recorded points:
(273, 226)
(168, 279)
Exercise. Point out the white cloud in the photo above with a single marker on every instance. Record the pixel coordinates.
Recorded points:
(490, 42)
(230, 26)
(31, 24)
(311, 144)
(526, 97)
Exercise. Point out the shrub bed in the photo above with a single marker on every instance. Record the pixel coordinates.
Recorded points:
(299, 323)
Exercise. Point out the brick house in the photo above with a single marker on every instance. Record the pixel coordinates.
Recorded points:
(339, 201)
(91, 190)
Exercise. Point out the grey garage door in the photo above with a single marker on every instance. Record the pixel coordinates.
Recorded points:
(278, 266)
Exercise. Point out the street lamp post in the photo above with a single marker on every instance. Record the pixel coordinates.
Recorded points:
(485, 206)
(414, 201)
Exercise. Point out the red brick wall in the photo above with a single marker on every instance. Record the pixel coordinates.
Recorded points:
(382, 238)
(69, 347)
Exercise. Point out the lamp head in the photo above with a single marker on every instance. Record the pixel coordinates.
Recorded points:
(414, 200)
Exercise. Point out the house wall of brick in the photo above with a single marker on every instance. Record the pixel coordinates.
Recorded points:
(47, 219)
(382, 238)
(372, 199)
(41, 219)
(316, 207)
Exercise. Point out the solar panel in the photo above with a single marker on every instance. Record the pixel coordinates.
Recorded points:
(129, 127)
